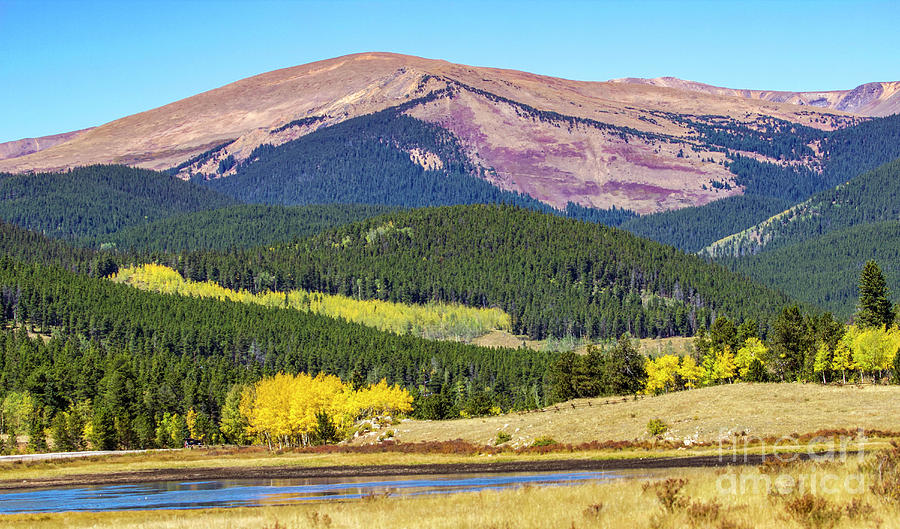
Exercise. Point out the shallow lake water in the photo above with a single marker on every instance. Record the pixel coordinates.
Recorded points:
(259, 492)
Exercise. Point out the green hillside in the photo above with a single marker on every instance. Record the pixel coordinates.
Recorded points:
(554, 276)
(242, 226)
(690, 229)
(98, 199)
(870, 197)
(824, 271)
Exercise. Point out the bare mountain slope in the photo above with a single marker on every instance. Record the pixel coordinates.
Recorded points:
(25, 146)
(593, 143)
(871, 99)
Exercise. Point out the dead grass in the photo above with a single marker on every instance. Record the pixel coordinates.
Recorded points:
(648, 346)
(701, 415)
(678, 345)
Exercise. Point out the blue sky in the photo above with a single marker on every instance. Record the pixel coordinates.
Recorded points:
(70, 64)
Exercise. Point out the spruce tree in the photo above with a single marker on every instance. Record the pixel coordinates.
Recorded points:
(874, 308)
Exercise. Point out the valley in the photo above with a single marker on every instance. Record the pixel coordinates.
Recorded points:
(441, 292)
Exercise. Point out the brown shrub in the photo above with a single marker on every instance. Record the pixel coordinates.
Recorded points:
(885, 471)
(668, 492)
(813, 511)
(858, 509)
(593, 510)
(704, 512)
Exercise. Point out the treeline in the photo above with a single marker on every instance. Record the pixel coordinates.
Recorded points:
(553, 276)
(243, 226)
(365, 160)
(845, 153)
(98, 199)
(799, 347)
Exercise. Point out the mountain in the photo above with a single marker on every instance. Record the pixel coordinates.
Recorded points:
(595, 144)
(17, 148)
(870, 99)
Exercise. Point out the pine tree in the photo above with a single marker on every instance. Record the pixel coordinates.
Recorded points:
(874, 308)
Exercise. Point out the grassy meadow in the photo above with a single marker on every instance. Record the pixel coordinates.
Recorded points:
(698, 415)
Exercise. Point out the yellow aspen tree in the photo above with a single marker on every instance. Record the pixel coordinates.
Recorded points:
(753, 349)
(689, 371)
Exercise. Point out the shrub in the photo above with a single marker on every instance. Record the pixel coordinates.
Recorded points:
(668, 492)
(502, 437)
(813, 511)
(885, 470)
(593, 510)
(657, 427)
(858, 509)
(704, 512)
(544, 441)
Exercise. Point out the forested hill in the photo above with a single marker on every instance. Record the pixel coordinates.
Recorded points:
(364, 160)
(243, 226)
(98, 199)
(870, 197)
(770, 188)
(824, 271)
(690, 229)
(554, 276)
(385, 158)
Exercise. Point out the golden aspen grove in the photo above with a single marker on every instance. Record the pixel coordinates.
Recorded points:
(298, 410)
(435, 321)
(865, 354)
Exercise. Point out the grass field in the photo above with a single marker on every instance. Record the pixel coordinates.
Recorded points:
(794, 495)
(649, 346)
(705, 414)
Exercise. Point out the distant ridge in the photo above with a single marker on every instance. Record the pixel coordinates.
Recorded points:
(876, 99)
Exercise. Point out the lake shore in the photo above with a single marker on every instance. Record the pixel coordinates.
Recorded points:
(339, 471)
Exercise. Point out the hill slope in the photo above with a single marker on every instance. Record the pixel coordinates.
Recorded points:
(554, 276)
(243, 226)
(870, 197)
(705, 414)
(824, 270)
(98, 199)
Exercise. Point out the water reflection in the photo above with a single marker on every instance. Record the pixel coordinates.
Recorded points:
(244, 493)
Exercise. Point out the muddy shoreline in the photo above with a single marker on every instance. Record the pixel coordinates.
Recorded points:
(298, 472)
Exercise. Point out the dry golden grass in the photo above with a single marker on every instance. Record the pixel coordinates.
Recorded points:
(648, 346)
(708, 499)
(705, 414)
(658, 346)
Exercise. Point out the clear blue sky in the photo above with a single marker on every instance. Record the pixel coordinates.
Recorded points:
(69, 64)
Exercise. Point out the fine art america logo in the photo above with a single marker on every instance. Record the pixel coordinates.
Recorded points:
(780, 472)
